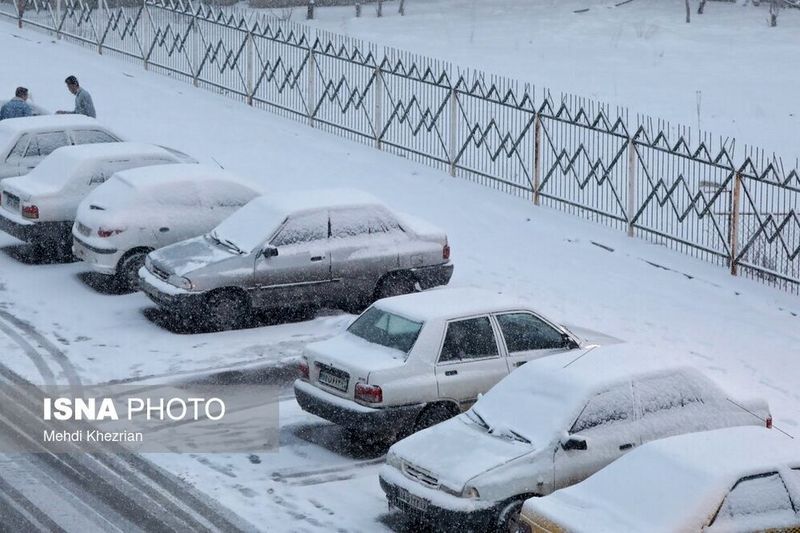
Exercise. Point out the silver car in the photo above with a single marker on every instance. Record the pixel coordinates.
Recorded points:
(302, 249)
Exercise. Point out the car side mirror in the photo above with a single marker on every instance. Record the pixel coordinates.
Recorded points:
(574, 443)
(269, 251)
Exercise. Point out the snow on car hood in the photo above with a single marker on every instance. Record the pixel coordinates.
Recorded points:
(457, 450)
(358, 356)
(186, 256)
(590, 336)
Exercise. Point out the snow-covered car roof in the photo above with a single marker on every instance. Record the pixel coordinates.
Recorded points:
(286, 203)
(668, 485)
(449, 302)
(46, 122)
(84, 153)
(151, 178)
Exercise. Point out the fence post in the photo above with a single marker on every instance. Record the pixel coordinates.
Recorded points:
(402, 8)
(58, 19)
(142, 30)
(378, 115)
(100, 4)
(358, 9)
(537, 156)
(20, 12)
(310, 12)
(250, 73)
(311, 93)
(451, 147)
(195, 50)
(733, 225)
(631, 207)
(380, 8)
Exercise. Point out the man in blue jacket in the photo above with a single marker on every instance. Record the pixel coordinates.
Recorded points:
(83, 100)
(17, 106)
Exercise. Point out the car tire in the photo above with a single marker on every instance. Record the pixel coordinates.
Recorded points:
(508, 518)
(395, 285)
(432, 415)
(227, 310)
(127, 276)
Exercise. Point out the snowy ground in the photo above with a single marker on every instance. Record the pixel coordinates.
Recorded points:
(741, 333)
(741, 73)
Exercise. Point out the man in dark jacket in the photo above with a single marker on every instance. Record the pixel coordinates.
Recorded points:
(17, 106)
(83, 100)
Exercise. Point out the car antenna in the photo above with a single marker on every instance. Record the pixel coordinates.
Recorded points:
(580, 356)
(743, 408)
(217, 162)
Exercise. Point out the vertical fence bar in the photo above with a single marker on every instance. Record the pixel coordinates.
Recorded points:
(311, 90)
(58, 19)
(733, 225)
(98, 14)
(537, 157)
(451, 145)
(195, 66)
(631, 204)
(250, 66)
(378, 111)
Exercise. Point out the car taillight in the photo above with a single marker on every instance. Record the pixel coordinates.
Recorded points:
(369, 393)
(303, 368)
(769, 421)
(30, 211)
(104, 233)
(446, 252)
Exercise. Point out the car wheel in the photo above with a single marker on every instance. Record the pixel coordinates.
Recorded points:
(432, 415)
(395, 285)
(128, 271)
(227, 310)
(508, 519)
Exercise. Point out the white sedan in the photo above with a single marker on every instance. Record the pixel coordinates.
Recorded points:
(549, 425)
(137, 211)
(725, 481)
(411, 361)
(39, 207)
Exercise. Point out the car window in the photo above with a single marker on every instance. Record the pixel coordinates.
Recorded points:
(19, 149)
(91, 137)
(387, 329)
(307, 227)
(609, 407)
(524, 331)
(43, 144)
(663, 393)
(469, 339)
(761, 500)
(362, 221)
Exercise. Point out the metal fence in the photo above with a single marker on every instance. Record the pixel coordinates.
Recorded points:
(736, 207)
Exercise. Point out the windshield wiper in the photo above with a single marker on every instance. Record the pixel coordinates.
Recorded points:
(478, 418)
(225, 242)
(518, 437)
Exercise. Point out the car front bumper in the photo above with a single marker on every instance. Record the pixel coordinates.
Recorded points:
(443, 511)
(102, 260)
(169, 297)
(351, 415)
(433, 276)
(34, 232)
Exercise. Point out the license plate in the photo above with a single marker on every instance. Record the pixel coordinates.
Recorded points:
(411, 500)
(337, 382)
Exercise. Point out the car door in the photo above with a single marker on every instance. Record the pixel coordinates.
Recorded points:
(470, 361)
(41, 145)
(300, 272)
(756, 503)
(607, 425)
(527, 337)
(363, 247)
(671, 404)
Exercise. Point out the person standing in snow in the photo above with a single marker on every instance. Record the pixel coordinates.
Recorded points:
(17, 106)
(83, 100)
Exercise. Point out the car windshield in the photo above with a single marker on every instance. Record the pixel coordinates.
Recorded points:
(393, 331)
(6, 138)
(248, 227)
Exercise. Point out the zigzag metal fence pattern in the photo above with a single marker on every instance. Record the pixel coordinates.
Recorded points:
(646, 176)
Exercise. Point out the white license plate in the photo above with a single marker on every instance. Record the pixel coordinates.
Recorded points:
(413, 501)
(330, 380)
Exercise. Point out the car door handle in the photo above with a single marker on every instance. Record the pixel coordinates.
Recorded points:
(318, 258)
(627, 446)
(450, 372)
(163, 230)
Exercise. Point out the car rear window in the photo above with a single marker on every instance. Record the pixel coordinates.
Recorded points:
(393, 331)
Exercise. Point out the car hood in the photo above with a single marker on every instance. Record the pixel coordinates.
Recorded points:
(590, 336)
(186, 256)
(458, 450)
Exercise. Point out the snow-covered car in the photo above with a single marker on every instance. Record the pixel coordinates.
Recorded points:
(411, 361)
(139, 210)
(25, 142)
(549, 425)
(724, 481)
(39, 207)
(298, 249)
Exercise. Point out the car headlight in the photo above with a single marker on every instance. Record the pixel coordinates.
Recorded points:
(471, 493)
(181, 282)
(393, 460)
(148, 262)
